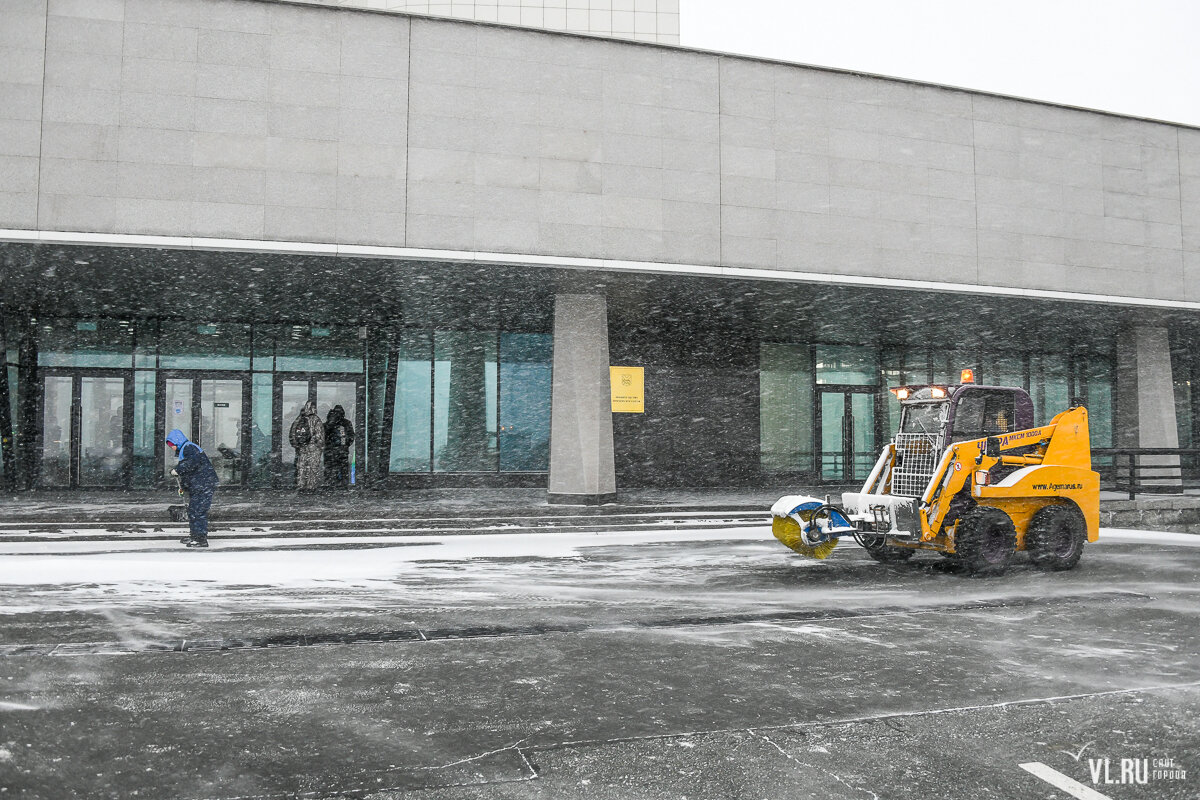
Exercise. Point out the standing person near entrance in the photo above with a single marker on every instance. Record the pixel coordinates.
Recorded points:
(307, 435)
(198, 478)
(339, 435)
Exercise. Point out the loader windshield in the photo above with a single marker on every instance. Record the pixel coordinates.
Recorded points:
(923, 418)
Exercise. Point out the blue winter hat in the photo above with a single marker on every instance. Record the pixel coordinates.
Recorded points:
(177, 438)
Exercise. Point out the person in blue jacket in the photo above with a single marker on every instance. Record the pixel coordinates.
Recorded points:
(198, 478)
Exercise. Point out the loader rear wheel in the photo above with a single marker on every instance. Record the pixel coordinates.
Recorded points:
(878, 549)
(1055, 538)
(985, 541)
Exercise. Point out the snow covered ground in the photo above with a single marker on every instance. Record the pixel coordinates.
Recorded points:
(304, 568)
(305, 558)
(700, 659)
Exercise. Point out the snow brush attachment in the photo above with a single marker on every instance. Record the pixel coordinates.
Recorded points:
(791, 533)
(808, 526)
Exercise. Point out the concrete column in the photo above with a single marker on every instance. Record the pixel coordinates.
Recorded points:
(582, 470)
(29, 388)
(1146, 400)
(9, 481)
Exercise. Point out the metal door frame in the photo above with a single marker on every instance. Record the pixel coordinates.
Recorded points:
(279, 428)
(847, 390)
(196, 376)
(77, 374)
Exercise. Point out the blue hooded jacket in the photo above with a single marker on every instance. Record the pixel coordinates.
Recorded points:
(196, 473)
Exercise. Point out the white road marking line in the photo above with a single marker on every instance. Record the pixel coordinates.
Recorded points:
(1060, 781)
(7, 706)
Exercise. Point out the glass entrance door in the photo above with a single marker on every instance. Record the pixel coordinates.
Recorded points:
(57, 420)
(212, 410)
(327, 391)
(86, 429)
(846, 427)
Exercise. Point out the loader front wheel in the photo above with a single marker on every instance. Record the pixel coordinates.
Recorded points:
(1055, 538)
(878, 549)
(985, 541)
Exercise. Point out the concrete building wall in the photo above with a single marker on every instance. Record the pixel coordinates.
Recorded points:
(523, 142)
(224, 118)
(22, 40)
(1189, 196)
(244, 119)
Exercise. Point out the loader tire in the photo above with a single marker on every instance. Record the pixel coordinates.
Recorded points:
(985, 541)
(878, 549)
(1055, 538)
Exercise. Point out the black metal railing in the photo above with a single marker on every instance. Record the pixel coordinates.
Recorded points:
(1147, 470)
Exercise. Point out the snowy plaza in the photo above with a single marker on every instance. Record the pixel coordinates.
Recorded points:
(659, 652)
(533, 399)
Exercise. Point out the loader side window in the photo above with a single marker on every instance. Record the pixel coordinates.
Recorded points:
(983, 413)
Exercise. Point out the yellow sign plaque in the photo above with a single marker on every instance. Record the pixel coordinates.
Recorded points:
(628, 387)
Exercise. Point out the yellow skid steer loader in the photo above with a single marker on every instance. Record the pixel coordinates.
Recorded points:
(967, 476)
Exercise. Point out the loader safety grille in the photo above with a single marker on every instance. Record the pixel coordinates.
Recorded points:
(918, 455)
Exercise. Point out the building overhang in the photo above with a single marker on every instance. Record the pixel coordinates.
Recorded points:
(79, 274)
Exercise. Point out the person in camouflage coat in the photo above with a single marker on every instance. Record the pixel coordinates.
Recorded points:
(308, 437)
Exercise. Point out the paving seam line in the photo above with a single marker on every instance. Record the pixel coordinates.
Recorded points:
(825, 723)
(341, 533)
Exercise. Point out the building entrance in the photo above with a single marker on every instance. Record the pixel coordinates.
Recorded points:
(847, 432)
(212, 409)
(293, 390)
(86, 435)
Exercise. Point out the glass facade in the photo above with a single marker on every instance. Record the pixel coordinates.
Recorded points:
(412, 419)
(430, 404)
(844, 364)
(785, 398)
(1185, 370)
(833, 394)
(525, 368)
(471, 401)
(442, 402)
(465, 382)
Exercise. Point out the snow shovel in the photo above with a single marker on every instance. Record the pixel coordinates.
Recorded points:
(177, 513)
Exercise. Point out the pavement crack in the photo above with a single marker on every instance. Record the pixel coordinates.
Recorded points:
(798, 762)
(515, 747)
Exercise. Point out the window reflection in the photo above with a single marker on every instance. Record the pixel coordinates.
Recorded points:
(847, 365)
(411, 419)
(464, 401)
(785, 399)
(525, 367)
(224, 346)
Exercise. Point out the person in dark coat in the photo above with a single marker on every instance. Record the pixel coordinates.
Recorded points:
(198, 478)
(307, 435)
(339, 435)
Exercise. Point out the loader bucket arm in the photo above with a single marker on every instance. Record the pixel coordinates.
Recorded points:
(953, 472)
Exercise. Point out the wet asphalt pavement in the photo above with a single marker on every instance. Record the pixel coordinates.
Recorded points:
(667, 657)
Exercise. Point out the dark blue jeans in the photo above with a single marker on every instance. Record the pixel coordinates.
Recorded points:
(199, 501)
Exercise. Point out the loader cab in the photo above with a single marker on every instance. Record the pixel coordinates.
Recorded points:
(958, 413)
